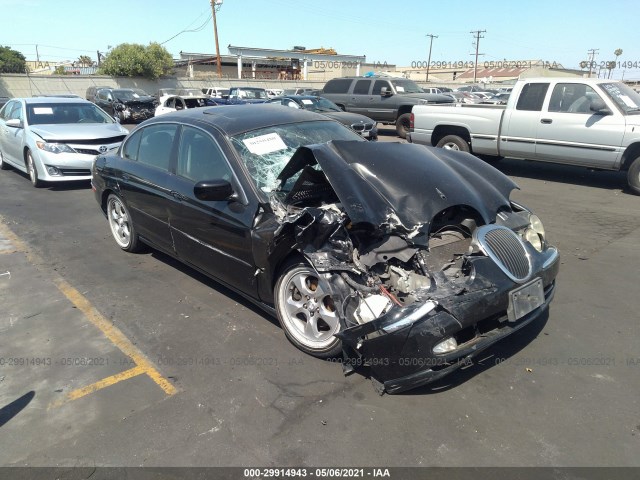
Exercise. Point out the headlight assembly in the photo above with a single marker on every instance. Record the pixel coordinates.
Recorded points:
(534, 239)
(536, 225)
(55, 147)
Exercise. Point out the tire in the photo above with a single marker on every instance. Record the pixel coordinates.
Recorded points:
(33, 172)
(403, 125)
(121, 225)
(633, 176)
(305, 311)
(3, 165)
(454, 142)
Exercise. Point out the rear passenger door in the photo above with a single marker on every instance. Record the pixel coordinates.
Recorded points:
(360, 99)
(145, 180)
(520, 123)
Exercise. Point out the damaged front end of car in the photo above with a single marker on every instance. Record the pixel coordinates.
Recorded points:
(426, 260)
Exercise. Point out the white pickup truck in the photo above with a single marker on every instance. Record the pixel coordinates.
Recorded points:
(592, 123)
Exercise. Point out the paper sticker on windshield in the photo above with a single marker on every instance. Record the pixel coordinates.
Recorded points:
(628, 102)
(399, 88)
(43, 110)
(265, 144)
(306, 101)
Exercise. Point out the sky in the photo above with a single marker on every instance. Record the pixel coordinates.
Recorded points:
(560, 31)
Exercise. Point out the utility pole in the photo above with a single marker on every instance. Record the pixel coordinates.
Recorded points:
(430, 45)
(215, 6)
(37, 55)
(592, 54)
(478, 36)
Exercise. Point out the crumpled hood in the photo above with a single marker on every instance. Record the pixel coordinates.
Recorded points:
(78, 131)
(138, 101)
(405, 184)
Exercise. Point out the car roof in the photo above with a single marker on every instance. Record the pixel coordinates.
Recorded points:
(234, 119)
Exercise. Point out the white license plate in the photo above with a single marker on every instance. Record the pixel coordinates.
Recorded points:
(365, 134)
(525, 299)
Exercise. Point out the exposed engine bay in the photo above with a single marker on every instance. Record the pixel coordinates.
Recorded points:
(397, 270)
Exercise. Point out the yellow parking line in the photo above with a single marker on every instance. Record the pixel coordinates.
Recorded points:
(99, 385)
(143, 364)
(114, 334)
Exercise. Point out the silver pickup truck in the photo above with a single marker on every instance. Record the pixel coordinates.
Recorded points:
(592, 123)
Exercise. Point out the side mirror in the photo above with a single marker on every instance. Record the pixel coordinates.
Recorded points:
(385, 92)
(110, 100)
(598, 106)
(213, 190)
(14, 123)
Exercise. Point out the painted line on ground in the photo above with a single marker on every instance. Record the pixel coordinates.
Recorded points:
(113, 333)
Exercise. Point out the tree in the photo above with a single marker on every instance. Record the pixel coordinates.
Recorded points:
(59, 70)
(12, 61)
(135, 60)
(85, 61)
(617, 53)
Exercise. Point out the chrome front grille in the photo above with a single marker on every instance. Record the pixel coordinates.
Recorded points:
(362, 127)
(505, 248)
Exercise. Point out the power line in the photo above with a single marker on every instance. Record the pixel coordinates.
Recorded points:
(190, 31)
(475, 64)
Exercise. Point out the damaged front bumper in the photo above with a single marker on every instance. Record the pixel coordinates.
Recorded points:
(399, 346)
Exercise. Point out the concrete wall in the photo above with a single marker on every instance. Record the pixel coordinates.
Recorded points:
(20, 85)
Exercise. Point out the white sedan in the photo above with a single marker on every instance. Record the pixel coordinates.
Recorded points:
(176, 102)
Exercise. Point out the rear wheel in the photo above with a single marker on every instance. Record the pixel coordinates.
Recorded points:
(33, 172)
(121, 225)
(454, 142)
(403, 125)
(633, 176)
(306, 311)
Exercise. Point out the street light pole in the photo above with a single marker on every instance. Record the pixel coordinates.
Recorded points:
(215, 6)
(429, 60)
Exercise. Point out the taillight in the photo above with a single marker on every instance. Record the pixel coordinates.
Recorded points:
(411, 119)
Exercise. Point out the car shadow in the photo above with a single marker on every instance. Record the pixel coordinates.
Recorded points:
(213, 284)
(56, 186)
(494, 355)
(566, 174)
(14, 408)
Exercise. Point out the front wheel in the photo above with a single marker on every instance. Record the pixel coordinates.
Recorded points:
(121, 225)
(306, 311)
(403, 125)
(633, 176)
(33, 172)
(454, 142)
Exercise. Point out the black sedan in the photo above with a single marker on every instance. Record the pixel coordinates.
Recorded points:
(126, 104)
(407, 259)
(363, 125)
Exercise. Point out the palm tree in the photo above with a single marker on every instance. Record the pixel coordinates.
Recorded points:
(85, 61)
(617, 53)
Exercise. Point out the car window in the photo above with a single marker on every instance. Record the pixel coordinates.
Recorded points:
(65, 114)
(200, 158)
(130, 147)
(156, 145)
(532, 96)
(337, 86)
(170, 103)
(572, 98)
(16, 112)
(377, 87)
(362, 87)
(6, 110)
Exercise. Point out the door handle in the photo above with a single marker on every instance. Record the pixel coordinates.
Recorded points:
(546, 120)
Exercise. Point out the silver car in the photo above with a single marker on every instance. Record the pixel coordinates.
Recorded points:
(55, 139)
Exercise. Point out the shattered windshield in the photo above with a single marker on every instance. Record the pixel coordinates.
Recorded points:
(266, 151)
(127, 95)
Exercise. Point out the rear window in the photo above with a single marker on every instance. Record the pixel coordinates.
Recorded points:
(532, 97)
(337, 86)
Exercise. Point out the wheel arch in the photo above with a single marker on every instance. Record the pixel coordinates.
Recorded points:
(629, 155)
(404, 109)
(442, 131)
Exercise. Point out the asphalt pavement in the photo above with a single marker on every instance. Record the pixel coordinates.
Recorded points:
(109, 358)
